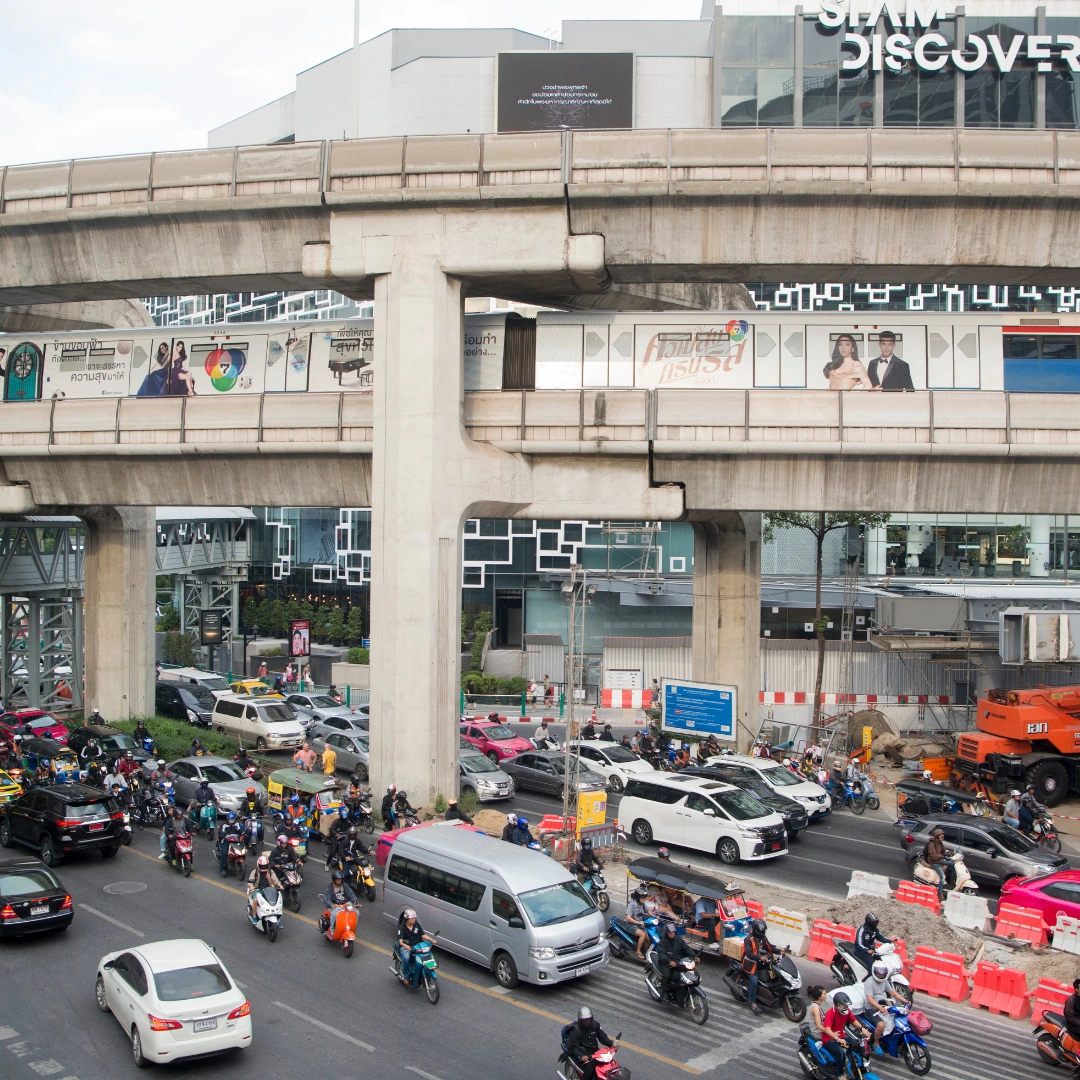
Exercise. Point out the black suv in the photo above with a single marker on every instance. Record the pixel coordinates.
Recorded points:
(32, 899)
(62, 819)
(793, 813)
(114, 743)
(179, 701)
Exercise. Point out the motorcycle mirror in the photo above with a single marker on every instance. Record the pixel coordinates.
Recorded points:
(618, 1037)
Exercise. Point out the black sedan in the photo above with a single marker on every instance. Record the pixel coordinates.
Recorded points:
(793, 813)
(32, 900)
(546, 771)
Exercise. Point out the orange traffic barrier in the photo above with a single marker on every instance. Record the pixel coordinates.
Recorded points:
(1050, 996)
(939, 974)
(1024, 924)
(909, 892)
(822, 935)
(553, 823)
(1001, 990)
(757, 911)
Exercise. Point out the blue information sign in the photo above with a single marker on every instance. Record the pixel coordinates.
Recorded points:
(698, 709)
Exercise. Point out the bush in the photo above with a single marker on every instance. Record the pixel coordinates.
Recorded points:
(274, 650)
(173, 738)
(469, 681)
(440, 804)
(518, 685)
(468, 802)
(481, 626)
(359, 656)
(179, 649)
(169, 619)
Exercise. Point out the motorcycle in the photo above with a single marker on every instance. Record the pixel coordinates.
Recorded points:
(158, 806)
(622, 937)
(126, 836)
(406, 816)
(779, 984)
(236, 857)
(253, 830)
(902, 1041)
(183, 845)
(816, 1064)
(267, 917)
(849, 967)
(550, 743)
(291, 880)
(340, 925)
(607, 1068)
(1044, 834)
(364, 874)
(596, 887)
(869, 796)
(203, 817)
(852, 795)
(924, 874)
(422, 968)
(360, 813)
(1051, 1041)
(689, 995)
(149, 748)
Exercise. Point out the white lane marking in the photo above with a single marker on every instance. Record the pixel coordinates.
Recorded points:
(420, 1072)
(110, 919)
(21, 1049)
(324, 1027)
(7, 1033)
(46, 1068)
(751, 1040)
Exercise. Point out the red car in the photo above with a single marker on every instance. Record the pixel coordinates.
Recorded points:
(1052, 894)
(33, 724)
(497, 741)
(382, 850)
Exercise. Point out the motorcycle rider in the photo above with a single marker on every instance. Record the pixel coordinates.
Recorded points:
(250, 804)
(588, 732)
(204, 796)
(409, 934)
(197, 749)
(388, 808)
(1030, 809)
(756, 950)
(294, 810)
(636, 914)
(707, 748)
(542, 735)
(455, 813)
(876, 987)
(127, 766)
(174, 823)
(607, 735)
(351, 850)
(583, 1039)
(833, 1027)
(402, 809)
(339, 827)
(354, 795)
(262, 877)
(935, 858)
(281, 857)
(837, 783)
(585, 862)
(509, 833)
(141, 732)
(90, 752)
(228, 831)
(336, 894)
(522, 836)
(1011, 810)
(868, 938)
(1072, 1018)
(240, 758)
(669, 952)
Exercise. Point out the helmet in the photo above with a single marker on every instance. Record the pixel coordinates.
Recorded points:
(841, 1000)
(232, 816)
(1030, 787)
(512, 818)
(161, 763)
(343, 811)
(352, 832)
(391, 789)
(204, 782)
(294, 798)
(837, 762)
(880, 970)
(663, 853)
(129, 754)
(355, 779)
(639, 894)
(282, 841)
(336, 877)
(250, 790)
(871, 920)
(403, 794)
(759, 927)
(263, 862)
(584, 1016)
(96, 712)
(93, 742)
(669, 928)
(408, 914)
(523, 822)
(1014, 794)
(586, 843)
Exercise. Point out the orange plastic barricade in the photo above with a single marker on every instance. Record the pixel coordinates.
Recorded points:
(822, 935)
(939, 974)
(1001, 990)
(908, 892)
(757, 911)
(1050, 996)
(1024, 924)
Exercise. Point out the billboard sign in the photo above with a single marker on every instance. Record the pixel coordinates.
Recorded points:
(300, 637)
(552, 90)
(210, 626)
(693, 708)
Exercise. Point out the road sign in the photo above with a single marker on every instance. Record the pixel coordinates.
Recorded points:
(694, 708)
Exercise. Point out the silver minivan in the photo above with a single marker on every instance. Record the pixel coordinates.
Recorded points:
(515, 911)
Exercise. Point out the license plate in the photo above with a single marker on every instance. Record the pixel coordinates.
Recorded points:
(775, 845)
(39, 909)
(582, 970)
(205, 1025)
(97, 826)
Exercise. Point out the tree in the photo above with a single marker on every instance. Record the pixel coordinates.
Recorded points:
(481, 625)
(819, 525)
(262, 620)
(320, 623)
(306, 610)
(277, 617)
(336, 625)
(169, 618)
(354, 625)
(250, 615)
(292, 611)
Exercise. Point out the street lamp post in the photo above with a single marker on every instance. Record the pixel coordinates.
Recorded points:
(249, 633)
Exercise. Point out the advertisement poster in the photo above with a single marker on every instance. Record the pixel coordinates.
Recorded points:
(484, 340)
(341, 359)
(188, 365)
(87, 368)
(718, 357)
(210, 626)
(698, 709)
(299, 637)
(552, 90)
(866, 358)
(21, 363)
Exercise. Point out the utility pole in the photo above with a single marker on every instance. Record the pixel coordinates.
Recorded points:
(578, 594)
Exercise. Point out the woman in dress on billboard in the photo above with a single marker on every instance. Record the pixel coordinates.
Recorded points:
(181, 381)
(156, 382)
(845, 371)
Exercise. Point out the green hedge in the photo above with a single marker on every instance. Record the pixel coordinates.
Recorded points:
(173, 738)
(474, 683)
(359, 656)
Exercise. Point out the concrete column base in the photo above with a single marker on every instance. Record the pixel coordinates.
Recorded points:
(119, 619)
(727, 610)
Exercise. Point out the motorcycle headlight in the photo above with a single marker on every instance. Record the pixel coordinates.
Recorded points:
(541, 952)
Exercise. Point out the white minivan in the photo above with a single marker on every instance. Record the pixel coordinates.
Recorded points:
(262, 722)
(697, 812)
(210, 680)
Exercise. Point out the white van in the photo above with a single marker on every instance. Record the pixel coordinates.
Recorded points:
(211, 680)
(697, 812)
(814, 797)
(517, 912)
(265, 723)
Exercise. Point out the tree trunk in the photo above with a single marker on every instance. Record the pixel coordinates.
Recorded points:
(819, 628)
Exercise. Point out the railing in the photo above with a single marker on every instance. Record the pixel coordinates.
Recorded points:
(686, 161)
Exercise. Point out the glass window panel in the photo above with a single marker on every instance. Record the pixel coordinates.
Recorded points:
(738, 97)
(821, 52)
(1017, 99)
(937, 98)
(775, 96)
(901, 107)
(775, 40)
(739, 32)
(981, 99)
(1058, 347)
(856, 103)
(1061, 99)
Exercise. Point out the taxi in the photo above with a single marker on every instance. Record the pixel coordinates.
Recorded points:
(253, 687)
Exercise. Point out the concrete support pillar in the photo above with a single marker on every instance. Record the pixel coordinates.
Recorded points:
(727, 609)
(1039, 546)
(119, 623)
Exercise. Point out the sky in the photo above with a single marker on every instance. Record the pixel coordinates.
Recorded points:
(100, 77)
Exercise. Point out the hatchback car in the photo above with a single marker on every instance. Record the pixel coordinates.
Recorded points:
(349, 725)
(316, 706)
(793, 813)
(351, 749)
(174, 999)
(60, 820)
(613, 762)
(1052, 894)
(185, 701)
(813, 796)
(113, 742)
(32, 900)
(993, 853)
(545, 770)
(34, 724)
(480, 775)
(228, 781)
(497, 741)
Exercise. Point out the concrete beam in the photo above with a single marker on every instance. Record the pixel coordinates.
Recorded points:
(87, 315)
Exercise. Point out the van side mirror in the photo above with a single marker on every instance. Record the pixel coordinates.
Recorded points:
(709, 812)
(992, 852)
(515, 922)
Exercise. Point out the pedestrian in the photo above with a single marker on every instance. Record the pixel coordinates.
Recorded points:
(654, 694)
(264, 672)
(532, 692)
(549, 691)
(308, 682)
(157, 669)
(329, 760)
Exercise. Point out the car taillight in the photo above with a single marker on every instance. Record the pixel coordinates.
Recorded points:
(63, 823)
(66, 905)
(242, 1010)
(158, 1024)
(8, 912)
(909, 839)
(118, 816)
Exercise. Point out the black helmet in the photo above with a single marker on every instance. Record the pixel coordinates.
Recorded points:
(639, 893)
(336, 877)
(355, 779)
(403, 795)
(352, 832)
(584, 1016)
(841, 999)
(663, 853)
(871, 920)
(759, 927)
(586, 843)
(669, 928)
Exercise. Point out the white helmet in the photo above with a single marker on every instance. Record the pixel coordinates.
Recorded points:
(512, 818)
(1014, 794)
(408, 914)
(880, 970)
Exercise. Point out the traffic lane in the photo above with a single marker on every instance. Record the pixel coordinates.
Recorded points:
(294, 985)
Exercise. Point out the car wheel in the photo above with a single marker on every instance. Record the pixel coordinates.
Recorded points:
(642, 833)
(49, 855)
(1051, 781)
(99, 995)
(260, 743)
(727, 851)
(6, 839)
(506, 971)
(492, 757)
(136, 1049)
(615, 783)
(110, 852)
(220, 730)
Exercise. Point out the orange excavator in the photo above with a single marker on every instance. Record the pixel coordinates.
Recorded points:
(1024, 737)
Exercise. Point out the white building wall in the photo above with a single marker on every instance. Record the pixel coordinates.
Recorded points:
(436, 95)
(672, 91)
(375, 94)
(267, 124)
(326, 98)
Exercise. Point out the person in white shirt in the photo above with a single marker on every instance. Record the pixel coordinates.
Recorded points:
(876, 987)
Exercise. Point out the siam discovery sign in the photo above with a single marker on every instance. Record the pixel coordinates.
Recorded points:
(931, 50)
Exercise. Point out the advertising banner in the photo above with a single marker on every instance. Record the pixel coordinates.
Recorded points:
(341, 359)
(21, 362)
(853, 358)
(191, 364)
(485, 338)
(694, 357)
(553, 90)
(210, 626)
(87, 368)
(693, 708)
(300, 637)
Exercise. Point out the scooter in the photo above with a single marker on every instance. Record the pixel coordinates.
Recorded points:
(422, 969)
(779, 984)
(596, 887)
(126, 836)
(550, 743)
(364, 876)
(850, 969)
(291, 880)
(924, 874)
(339, 924)
(689, 994)
(236, 857)
(360, 813)
(902, 1041)
(203, 818)
(183, 845)
(864, 782)
(607, 1068)
(268, 912)
(1044, 834)
(1051, 1041)
(816, 1064)
(253, 830)
(622, 936)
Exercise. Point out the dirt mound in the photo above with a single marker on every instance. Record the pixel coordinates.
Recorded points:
(1062, 967)
(915, 925)
(491, 821)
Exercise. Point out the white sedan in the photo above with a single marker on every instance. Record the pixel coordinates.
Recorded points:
(174, 999)
(613, 761)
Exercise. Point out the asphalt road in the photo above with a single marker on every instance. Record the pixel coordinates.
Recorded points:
(315, 1013)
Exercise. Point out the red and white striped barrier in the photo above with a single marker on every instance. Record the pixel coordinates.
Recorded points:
(622, 699)
(802, 697)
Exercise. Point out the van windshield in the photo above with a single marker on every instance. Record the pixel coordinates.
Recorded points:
(556, 903)
(276, 714)
(741, 805)
(213, 682)
(780, 777)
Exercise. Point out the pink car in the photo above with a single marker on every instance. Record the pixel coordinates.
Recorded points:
(1052, 894)
(34, 724)
(494, 740)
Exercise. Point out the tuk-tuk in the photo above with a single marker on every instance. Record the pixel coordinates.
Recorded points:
(10, 788)
(319, 794)
(62, 760)
(917, 798)
(678, 888)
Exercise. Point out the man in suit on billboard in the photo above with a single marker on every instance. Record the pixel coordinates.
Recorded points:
(888, 371)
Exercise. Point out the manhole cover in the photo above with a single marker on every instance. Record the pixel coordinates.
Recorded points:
(121, 888)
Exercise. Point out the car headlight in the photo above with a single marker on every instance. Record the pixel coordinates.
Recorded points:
(192, 716)
(275, 738)
(750, 831)
(541, 952)
(485, 783)
(1041, 868)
